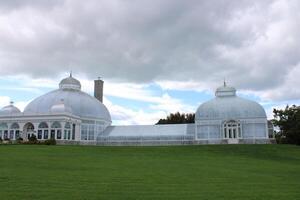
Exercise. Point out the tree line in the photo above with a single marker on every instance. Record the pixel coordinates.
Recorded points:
(178, 118)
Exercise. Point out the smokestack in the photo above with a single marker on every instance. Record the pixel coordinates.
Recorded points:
(98, 89)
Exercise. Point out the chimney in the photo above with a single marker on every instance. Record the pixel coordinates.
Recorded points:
(98, 89)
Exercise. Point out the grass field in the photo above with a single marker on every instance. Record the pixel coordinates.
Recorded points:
(182, 172)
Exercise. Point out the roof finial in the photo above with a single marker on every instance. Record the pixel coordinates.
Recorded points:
(11, 103)
(224, 82)
(71, 73)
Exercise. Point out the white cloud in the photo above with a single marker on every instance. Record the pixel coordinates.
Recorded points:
(21, 104)
(200, 43)
(178, 45)
(127, 116)
(187, 85)
(4, 101)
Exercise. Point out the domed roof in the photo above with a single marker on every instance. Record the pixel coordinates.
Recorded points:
(70, 83)
(225, 91)
(61, 108)
(75, 102)
(226, 105)
(9, 110)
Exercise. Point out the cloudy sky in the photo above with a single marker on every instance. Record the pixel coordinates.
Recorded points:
(155, 57)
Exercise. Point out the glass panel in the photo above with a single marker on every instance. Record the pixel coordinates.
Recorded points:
(91, 133)
(40, 134)
(225, 132)
(65, 134)
(69, 135)
(5, 134)
(3, 126)
(30, 127)
(17, 134)
(45, 134)
(15, 126)
(58, 134)
(52, 134)
(84, 132)
(11, 134)
(43, 125)
(67, 125)
(56, 125)
(234, 133)
(73, 131)
(229, 132)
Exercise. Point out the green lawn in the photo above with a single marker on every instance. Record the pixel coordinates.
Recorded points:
(181, 172)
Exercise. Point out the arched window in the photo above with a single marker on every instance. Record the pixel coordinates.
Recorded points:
(67, 131)
(15, 126)
(43, 132)
(28, 129)
(56, 125)
(14, 132)
(232, 130)
(56, 130)
(3, 131)
(43, 125)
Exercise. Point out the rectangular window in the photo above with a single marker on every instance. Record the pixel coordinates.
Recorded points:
(91, 133)
(11, 134)
(65, 134)
(52, 134)
(69, 135)
(40, 134)
(17, 134)
(73, 131)
(5, 134)
(45, 134)
(84, 132)
(58, 134)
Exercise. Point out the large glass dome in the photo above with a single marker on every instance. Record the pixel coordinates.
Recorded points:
(74, 101)
(226, 105)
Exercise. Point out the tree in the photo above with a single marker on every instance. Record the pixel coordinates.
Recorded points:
(178, 118)
(288, 121)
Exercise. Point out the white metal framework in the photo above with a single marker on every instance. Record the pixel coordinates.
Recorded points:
(232, 130)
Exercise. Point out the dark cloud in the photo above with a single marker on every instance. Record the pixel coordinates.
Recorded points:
(253, 44)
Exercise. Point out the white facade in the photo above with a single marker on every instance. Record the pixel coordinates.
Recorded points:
(230, 119)
(71, 116)
(67, 115)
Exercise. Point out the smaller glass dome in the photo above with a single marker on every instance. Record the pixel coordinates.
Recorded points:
(10, 110)
(60, 108)
(227, 105)
(70, 83)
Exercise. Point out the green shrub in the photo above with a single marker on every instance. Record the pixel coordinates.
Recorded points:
(50, 142)
(32, 139)
(19, 140)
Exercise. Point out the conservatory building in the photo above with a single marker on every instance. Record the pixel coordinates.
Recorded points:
(229, 118)
(71, 116)
(67, 115)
